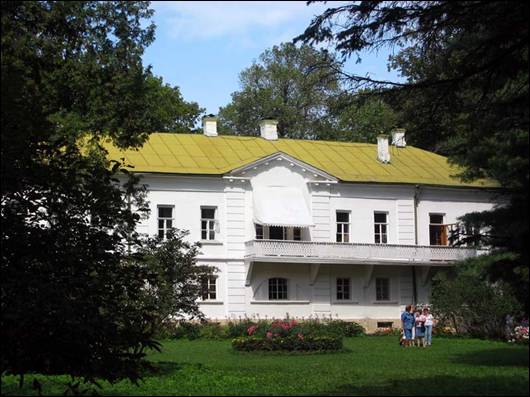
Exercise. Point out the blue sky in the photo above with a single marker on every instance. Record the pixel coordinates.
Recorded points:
(202, 46)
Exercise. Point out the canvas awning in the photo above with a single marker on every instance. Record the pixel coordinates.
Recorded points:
(281, 206)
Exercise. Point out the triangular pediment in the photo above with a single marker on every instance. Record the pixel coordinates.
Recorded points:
(281, 158)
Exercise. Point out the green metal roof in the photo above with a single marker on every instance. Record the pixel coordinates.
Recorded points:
(349, 162)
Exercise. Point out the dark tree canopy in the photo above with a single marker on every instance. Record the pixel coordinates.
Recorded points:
(72, 302)
(465, 94)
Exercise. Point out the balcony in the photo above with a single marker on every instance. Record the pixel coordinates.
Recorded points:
(328, 252)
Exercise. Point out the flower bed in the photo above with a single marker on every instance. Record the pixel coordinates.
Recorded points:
(520, 335)
(384, 331)
(288, 343)
(285, 335)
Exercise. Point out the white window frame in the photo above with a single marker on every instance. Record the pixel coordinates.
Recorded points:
(211, 224)
(389, 294)
(165, 227)
(344, 236)
(349, 291)
(209, 288)
(277, 289)
(378, 228)
(288, 233)
(440, 225)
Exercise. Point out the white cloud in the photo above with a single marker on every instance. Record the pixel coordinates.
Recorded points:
(204, 20)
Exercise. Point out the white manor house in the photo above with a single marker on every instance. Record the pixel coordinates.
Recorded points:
(355, 231)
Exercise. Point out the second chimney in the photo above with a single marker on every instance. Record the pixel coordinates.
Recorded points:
(383, 154)
(398, 137)
(209, 125)
(269, 129)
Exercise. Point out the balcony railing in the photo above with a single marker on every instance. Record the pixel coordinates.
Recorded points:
(327, 252)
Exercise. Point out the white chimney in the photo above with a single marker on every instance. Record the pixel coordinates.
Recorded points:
(398, 137)
(268, 129)
(383, 155)
(209, 125)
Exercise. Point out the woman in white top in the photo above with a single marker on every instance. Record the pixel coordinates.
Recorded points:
(429, 322)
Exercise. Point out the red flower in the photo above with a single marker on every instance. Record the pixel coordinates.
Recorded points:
(269, 335)
(251, 330)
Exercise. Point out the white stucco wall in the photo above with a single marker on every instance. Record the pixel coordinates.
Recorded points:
(234, 202)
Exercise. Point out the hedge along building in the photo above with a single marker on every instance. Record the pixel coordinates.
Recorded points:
(308, 228)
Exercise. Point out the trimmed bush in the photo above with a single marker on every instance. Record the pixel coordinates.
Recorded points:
(288, 343)
(345, 328)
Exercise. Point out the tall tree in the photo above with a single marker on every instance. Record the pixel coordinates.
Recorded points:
(289, 83)
(71, 302)
(359, 117)
(167, 109)
(466, 65)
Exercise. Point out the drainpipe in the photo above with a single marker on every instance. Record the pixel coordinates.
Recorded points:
(414, 283)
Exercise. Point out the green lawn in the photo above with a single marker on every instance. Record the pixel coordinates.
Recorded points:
(370, 366)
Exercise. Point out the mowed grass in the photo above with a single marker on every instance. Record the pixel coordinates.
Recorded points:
(369, 366)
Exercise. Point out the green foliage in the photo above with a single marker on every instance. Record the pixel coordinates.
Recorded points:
(168, 111)
(288, 343)
(290, 84)
(300, 87)
(72, 301)
(360, 117)
(240, 328)
(212, 330)
(174, 283)
(344, 328)
(188, 330)
(471, 304)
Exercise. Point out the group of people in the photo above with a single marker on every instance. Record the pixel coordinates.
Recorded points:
(417, 327)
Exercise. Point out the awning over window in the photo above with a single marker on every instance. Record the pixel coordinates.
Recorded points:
(281, 206)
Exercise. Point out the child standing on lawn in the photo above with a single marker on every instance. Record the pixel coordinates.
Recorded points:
(429, 323)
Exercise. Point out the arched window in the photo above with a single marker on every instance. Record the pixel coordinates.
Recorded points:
(277, 288)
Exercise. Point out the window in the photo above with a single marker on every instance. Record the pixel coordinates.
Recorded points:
(208, 223)
(277, 233)
(277, 289)
(165, 220)
(297, 234)
(209, 288)
(380, 228)
(259, 232)
(382, 289)
(343, 227)
(385, 324)
(437, 230)
(343, 289)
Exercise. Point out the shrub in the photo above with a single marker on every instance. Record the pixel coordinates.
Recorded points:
(472, 304)
(346, 328)
(212, 331)
(238, 328)
(188, 330)
(288, 343)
